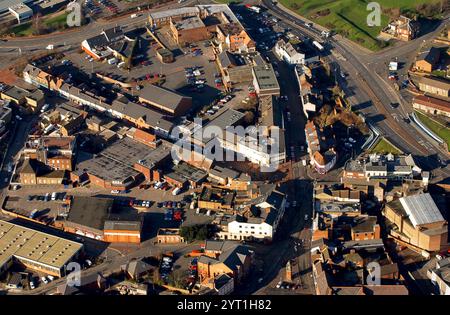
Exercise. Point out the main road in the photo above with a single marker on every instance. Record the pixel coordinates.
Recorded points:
(369, 91)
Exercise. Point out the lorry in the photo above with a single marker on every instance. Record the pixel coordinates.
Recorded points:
(318, 45)
(255, 9)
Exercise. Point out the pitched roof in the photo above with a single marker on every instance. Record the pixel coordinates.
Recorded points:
(421, 209)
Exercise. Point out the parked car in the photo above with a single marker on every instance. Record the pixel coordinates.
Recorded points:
(44, 280)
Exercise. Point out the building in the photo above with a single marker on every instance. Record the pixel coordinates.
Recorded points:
(165, 100)
(6, 4)
(224, 257)
(165, 56)
(233, 37)
(261, 222)
(321, 152)
(431, 105)
(161, 18)
(113, 42)
(5, 119)
(440, 276)
(402, 28)
(34, 172)
(58, 153)
(36, 250)
(21, 12)
(122, 231)
(377, 167)
(416, 220)
(428, 60)
(435, 86)
(285, 51)
(184, 175)
(234, 68)
(213, 198)
(169, 236)
(122, 163)
(189, 30)
(265, 81)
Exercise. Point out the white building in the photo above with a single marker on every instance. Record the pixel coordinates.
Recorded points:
(262, 224)
(21, 12)
(287, 52)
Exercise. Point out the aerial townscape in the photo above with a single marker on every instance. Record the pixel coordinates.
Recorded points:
(231, 148)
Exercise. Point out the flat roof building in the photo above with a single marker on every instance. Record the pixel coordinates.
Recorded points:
(36, 250)
(265, 80)
(165, 100)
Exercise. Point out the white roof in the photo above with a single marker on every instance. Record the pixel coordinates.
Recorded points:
(421, 209)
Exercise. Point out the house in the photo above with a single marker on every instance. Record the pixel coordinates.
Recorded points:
(260, 222)
(431, 105)
(440, 276)
(402, 28)
(416, 220)
(169, 236)
(320, 148)
(137, 269)
(428, 60)
(234, 38)
(433, 85)
(224, 257)
(287, 52)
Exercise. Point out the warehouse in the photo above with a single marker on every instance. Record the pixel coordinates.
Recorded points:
(36, 250)
(167, 101)
(118, 231)
(87, 216)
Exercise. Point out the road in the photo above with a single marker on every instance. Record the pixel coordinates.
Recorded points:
(367, 89)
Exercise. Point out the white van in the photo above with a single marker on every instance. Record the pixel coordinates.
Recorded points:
(176, 191)
(112, 61)
(53, 196)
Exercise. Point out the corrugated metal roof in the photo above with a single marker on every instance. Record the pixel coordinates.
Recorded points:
(421, 209)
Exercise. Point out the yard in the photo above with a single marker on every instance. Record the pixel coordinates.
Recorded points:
(435, 126)
(383, 146)
(349, 17)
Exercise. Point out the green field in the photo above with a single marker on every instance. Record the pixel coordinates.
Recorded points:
(439, 129)
(51, 22)
(384, 146)
(56, 20)
(348, 17)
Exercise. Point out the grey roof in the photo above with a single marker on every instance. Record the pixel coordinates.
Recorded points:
(421, 209)
(163, 97)
(265, 76)
(189, 23)
(174, 12)
(90, 211)
(232, 254)
(5, 4)
(122, 225)
(373, 243)
(431, 56)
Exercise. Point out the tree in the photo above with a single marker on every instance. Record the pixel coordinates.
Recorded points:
(195, 232)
